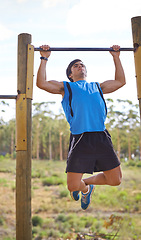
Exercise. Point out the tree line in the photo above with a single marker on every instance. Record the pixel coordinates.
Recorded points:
(50, 131)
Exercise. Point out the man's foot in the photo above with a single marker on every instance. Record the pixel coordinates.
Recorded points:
(75, 195)
(86, 198)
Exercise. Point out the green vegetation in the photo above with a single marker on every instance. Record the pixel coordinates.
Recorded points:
(50, 132)
(114, 212)
(53, 180)
(37, 221)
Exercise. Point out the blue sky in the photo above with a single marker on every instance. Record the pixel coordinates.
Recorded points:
(68, 23)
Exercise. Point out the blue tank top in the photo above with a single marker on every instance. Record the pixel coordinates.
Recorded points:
(89, 112)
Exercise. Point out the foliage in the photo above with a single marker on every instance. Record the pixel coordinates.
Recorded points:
(1, 221)
(50, 132)
(114, 212)
(37, 221)
(63, 193)
(53, 180)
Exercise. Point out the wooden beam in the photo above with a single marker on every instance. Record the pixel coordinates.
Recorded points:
(23, 156)
(136, 32)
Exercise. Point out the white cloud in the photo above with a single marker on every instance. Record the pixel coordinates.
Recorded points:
(90, 16)
(5, 32)
(51, 3)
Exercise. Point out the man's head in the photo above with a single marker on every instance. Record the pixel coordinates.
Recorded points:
(69, 68)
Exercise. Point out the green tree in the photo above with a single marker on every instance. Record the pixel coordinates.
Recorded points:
(123, 123)
(41, 115)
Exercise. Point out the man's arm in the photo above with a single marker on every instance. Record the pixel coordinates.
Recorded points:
(49, 86)
(112, 85)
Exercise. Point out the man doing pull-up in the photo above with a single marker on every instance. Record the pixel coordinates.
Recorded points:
(91, 148)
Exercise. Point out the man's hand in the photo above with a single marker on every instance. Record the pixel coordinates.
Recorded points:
(52, 86)
(116, 49)
(45, 54)
(112, 85)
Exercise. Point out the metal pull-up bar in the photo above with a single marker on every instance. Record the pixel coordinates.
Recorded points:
(84, 49)
(8, 96)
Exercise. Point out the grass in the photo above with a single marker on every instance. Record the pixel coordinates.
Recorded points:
(113, 210)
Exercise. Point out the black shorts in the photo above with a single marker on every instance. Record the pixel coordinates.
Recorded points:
(91, 152)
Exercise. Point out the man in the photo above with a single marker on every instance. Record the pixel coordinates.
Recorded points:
(91, 148)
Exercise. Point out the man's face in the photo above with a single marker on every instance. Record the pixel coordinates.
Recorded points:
(78, 71)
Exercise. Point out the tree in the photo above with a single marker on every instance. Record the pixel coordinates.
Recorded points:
(12, 127)
(41, 114)
(124, 123)
(64, 132)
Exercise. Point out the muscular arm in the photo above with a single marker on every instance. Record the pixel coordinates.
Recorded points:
(113, 85)
(52, 86)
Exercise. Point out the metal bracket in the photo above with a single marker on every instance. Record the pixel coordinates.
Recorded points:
(21, 120)
(137, 57)
(30, 64)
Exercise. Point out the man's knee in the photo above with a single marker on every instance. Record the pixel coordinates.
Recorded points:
(114, 178)
(73, 186)
(74, 181)
(116, 181)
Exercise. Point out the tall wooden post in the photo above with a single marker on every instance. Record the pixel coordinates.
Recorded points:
(136, 32)
(23, 138)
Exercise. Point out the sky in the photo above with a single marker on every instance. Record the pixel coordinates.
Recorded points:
(67, 23)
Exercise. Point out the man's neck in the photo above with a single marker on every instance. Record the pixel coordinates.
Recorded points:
(79, 79)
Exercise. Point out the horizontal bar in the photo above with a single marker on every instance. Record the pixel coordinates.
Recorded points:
(84, 49)
(8, 96)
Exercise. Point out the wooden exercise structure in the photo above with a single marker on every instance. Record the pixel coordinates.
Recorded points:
(24, 119)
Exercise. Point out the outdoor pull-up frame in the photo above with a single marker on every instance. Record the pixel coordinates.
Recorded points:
(24, 119)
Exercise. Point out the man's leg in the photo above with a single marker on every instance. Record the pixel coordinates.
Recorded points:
(111, 177)
(75, 182)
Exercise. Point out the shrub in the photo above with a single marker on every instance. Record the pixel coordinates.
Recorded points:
(62, 218)
(37, 221)
(53, 234)
(2, 157)
(34, 231)
(123, 195)
(138, 197)
(53, 180)
(139, 164)
(38, 173)
(63, 193)
(131, 163)
(1, 221)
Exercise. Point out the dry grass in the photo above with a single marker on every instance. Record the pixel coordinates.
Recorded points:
(59, 212)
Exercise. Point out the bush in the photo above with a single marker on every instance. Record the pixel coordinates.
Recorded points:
(2, 157)
(139, 164)
(131, 163)
(53, 233)
(53, 180)
(62, 218)
(34, 231)
(38, 173)
(63, 193)
(138, 197)
(1, 221)
(37, 221)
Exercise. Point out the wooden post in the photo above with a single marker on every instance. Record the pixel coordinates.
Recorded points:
(136, 32)
(23, 144)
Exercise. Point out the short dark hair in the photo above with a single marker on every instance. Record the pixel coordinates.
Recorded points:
(68, 70)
